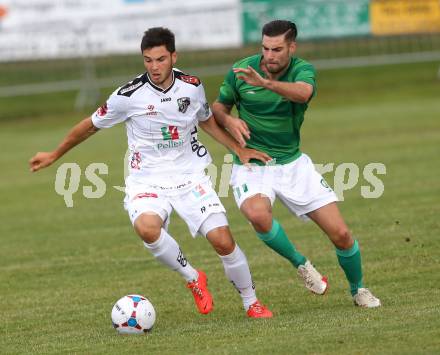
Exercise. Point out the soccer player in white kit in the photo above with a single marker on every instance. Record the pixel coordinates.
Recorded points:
(161, 110)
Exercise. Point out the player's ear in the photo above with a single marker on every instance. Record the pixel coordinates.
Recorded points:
(174, 57)
(292, 48)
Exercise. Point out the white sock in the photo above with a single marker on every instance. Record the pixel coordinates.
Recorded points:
(237, 271)
(168, 252)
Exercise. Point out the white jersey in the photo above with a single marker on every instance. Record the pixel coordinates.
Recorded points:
(161, 125)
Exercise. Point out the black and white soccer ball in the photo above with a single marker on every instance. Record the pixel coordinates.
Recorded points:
(133, 314)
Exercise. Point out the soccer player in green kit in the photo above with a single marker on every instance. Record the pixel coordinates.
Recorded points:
(271, 92)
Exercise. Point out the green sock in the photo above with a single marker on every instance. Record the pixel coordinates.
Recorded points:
(351, 263)
(277, 240)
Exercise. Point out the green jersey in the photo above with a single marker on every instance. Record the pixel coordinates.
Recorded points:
(273, 120)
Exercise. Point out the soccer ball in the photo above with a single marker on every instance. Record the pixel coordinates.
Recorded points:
(133, 314)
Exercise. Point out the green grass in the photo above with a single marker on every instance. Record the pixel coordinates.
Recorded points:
(62, 269)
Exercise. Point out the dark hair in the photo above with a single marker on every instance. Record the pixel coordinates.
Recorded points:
(279, 27)
(158, 36)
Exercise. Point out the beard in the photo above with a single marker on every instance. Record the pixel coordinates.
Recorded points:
(275, 68)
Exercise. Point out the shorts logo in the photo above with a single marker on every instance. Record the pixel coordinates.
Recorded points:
(145, 195)
(324, 183)
(169, 133)
(183, 104)
(210, 206)
(102, 110)
(243, 187)
(198, 191)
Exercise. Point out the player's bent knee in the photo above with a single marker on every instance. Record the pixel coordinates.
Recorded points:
(260, 218)
(343, 239)
(221, 240)
(215, 228)
(148, 234)
(148, 227)
(262, 223)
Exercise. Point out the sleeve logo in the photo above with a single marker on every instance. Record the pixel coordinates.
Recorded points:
(190, 79)
(102, 111)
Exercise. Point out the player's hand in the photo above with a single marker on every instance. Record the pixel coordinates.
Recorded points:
(239, 130)
(41, 160)
(250, 76)
(246, 154)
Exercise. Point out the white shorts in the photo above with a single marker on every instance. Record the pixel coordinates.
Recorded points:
(190, 195)
(298, 185)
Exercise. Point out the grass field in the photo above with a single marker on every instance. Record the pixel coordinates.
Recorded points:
(61, 269)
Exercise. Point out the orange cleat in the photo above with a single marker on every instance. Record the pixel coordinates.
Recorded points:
(202, 297)
(257, 310)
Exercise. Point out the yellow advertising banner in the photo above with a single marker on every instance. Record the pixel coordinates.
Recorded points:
(390, 17)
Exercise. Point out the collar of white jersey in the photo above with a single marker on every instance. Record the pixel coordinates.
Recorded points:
(158, 88)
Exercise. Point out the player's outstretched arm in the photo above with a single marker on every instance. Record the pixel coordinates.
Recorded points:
(235, 126)
(77, 134)
(211, 127)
